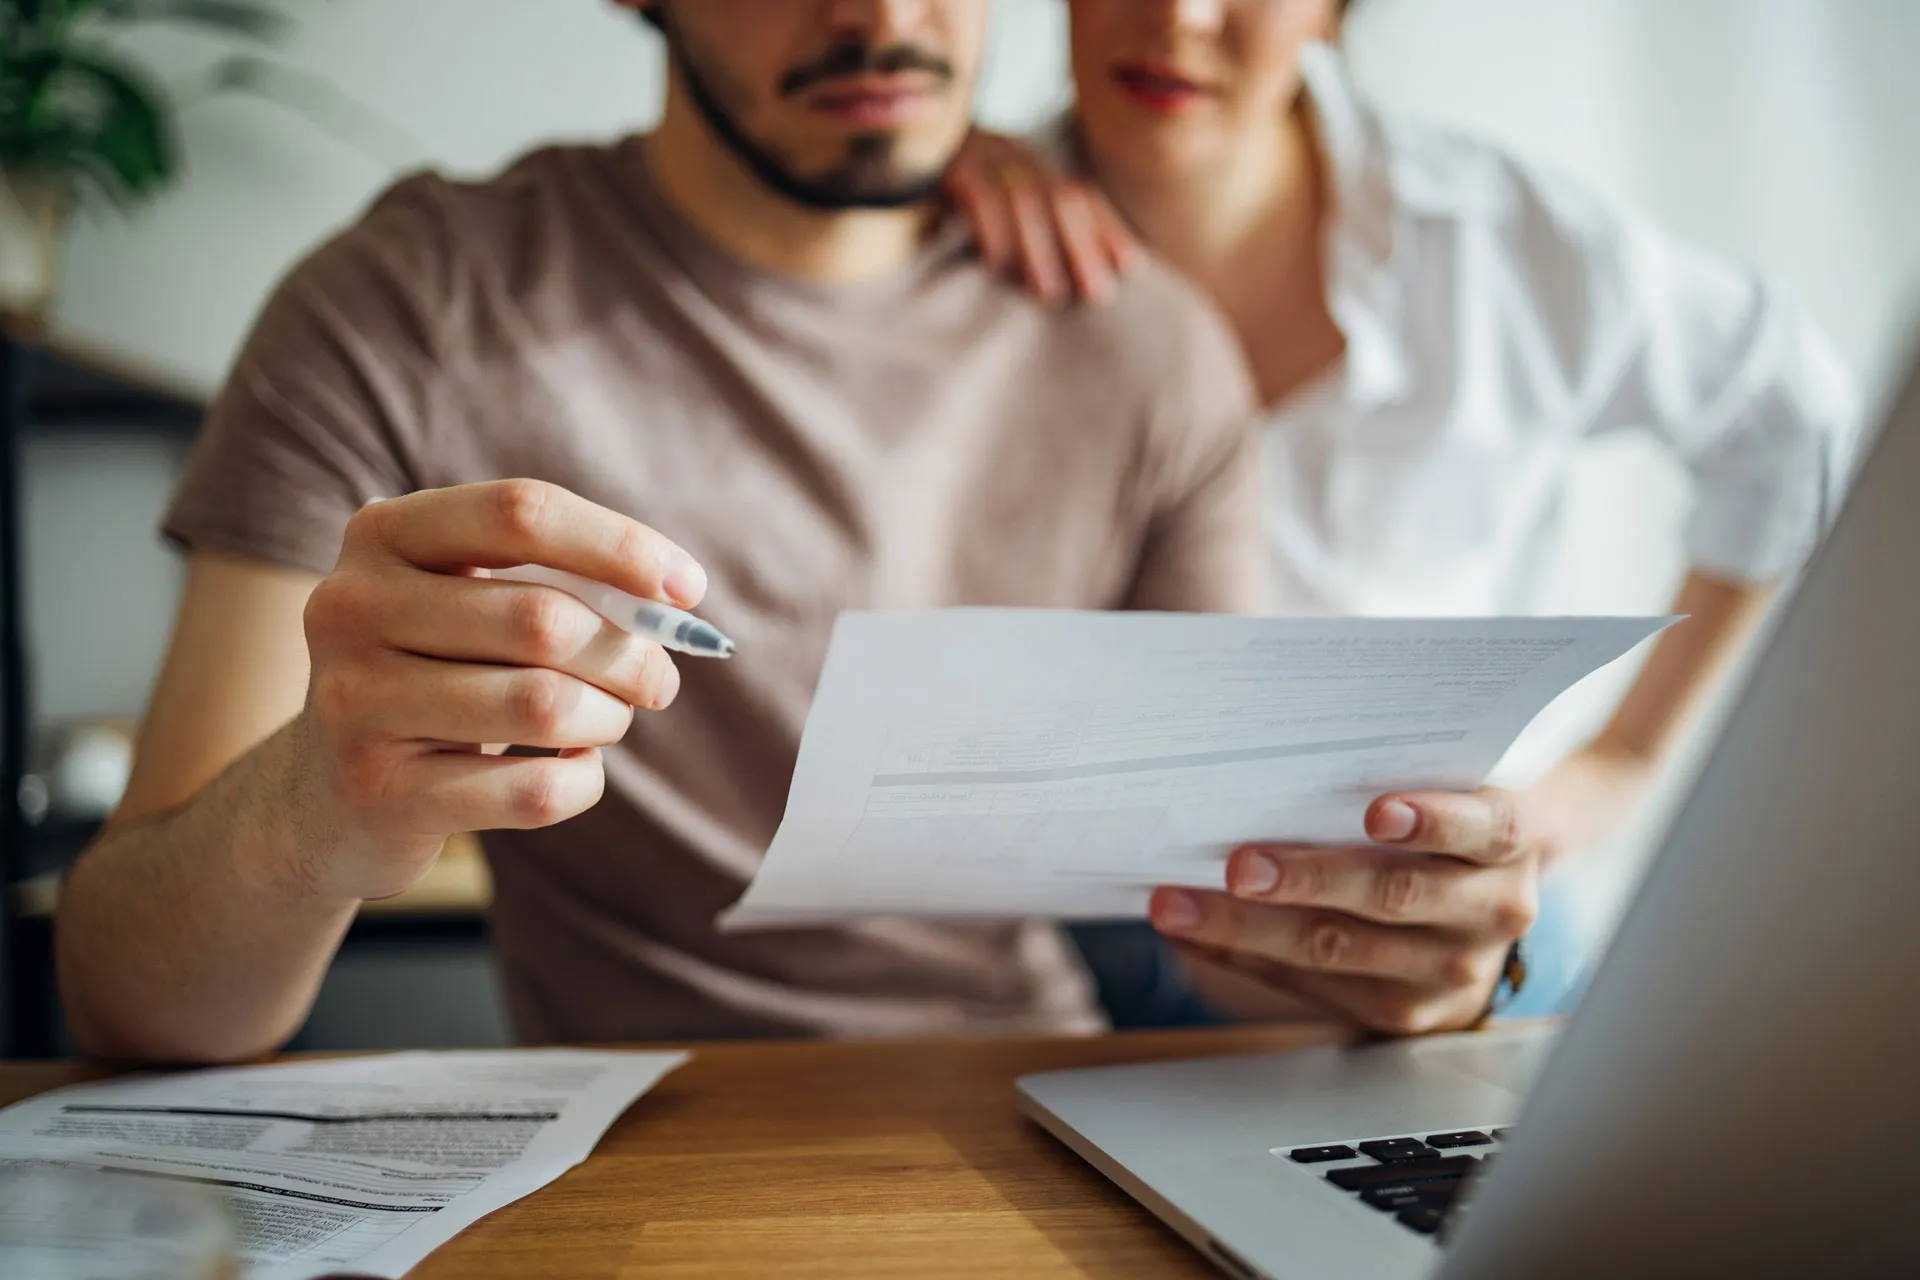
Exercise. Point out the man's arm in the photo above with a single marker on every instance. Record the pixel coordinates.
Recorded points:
(313, 742)
(175, 893)
(1203, 550)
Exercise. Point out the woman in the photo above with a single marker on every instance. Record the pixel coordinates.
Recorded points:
(1435, 329)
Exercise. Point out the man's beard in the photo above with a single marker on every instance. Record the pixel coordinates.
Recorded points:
(868, 178)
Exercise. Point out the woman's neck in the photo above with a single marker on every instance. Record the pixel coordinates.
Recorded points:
(1245, 226)
(1258, 195)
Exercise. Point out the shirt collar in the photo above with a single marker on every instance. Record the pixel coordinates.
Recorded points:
(1354, 143)
(1369, 229)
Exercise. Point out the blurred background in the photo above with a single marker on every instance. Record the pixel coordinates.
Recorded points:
(1782, 132)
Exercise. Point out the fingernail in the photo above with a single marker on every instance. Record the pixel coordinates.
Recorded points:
(1175, 910)
(669, 687)
(1394, 820)
(685, 580)
(1256, 873)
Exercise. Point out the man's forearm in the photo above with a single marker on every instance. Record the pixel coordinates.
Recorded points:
(192, 935)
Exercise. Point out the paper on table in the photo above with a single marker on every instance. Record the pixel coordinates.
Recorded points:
(360, 1164)
(1015, 762)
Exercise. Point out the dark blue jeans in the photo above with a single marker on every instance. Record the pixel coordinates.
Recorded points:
(1142, 984)
(1140, 981)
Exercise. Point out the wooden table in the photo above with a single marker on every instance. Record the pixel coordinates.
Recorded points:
(830, 1160)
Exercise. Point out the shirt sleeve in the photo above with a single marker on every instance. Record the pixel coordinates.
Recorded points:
(330, 387)
(1736, 379)
(1203, 551)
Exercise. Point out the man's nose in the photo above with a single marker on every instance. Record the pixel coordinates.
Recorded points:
(876, 23)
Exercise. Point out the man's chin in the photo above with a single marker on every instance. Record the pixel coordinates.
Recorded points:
(870, 176)
(893, 195)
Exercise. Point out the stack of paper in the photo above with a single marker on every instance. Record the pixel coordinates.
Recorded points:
(362, 1165)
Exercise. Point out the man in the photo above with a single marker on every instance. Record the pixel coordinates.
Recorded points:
(750, 330)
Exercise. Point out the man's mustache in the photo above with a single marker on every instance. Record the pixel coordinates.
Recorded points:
(855, 59)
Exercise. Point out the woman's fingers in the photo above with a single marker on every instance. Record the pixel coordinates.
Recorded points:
(985, 206)
(1122, 247)
(1057, 234)
(1083, 243)
(1042, 255)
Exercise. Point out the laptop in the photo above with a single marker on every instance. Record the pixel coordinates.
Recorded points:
(1739, 1092)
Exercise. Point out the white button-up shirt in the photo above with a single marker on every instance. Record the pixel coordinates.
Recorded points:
(1498, 318)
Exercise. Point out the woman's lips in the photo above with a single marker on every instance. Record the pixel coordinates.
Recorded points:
(1158, 88)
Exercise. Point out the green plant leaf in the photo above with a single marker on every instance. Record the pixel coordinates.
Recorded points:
(231, 17)
(28, 105)
(105, 111)
(80, 114)
(28, 13)
(318, 102)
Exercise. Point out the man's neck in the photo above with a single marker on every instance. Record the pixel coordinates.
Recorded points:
(1260, 195)
(721, 197)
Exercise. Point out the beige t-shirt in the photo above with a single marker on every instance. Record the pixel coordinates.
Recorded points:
(933, 438)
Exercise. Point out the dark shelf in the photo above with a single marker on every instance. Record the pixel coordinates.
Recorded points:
(48, 384)
(53, 845)
(65, 393)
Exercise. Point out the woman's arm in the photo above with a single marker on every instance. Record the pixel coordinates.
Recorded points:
(1733, 376)
(1590, 791)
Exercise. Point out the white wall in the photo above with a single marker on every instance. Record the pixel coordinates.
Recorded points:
(1784, 131)
(469, 83)
(100, 586)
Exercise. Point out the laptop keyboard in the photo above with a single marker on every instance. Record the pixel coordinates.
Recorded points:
(1419, 1180)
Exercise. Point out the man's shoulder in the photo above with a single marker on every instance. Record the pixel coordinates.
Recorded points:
(429, 202)
(427, 237)
(1159, 328)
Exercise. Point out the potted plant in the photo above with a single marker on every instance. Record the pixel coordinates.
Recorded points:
(81, 124)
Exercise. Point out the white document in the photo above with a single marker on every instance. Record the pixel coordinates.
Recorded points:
(1016, 762)
(361, 1165)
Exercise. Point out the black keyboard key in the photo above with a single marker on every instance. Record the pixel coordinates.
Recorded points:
(1384, 1149)
(1386, 1175)
(1402, 1195)
(1464, 1138)
(1423, 1219)
(1319, 1155)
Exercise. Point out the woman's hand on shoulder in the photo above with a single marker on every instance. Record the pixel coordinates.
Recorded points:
(1056, 233)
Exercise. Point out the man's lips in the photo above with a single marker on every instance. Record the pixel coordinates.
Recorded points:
(873, 100)
(1158, 87)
